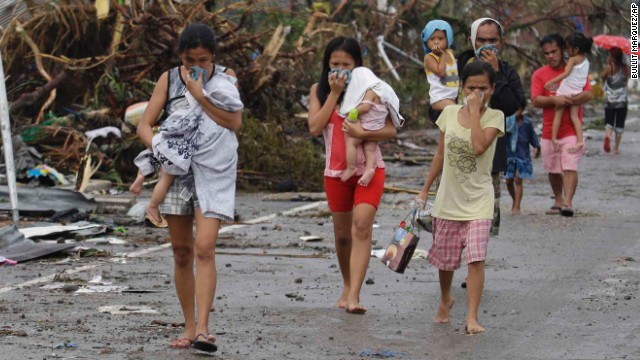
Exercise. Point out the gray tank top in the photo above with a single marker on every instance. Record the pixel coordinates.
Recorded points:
(176, 90)
(615, 90)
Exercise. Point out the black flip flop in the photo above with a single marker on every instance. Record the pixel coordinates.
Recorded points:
(205, 343)
(566, 211)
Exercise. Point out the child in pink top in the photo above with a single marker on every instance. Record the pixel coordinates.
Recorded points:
(372, 117)
(369, 98)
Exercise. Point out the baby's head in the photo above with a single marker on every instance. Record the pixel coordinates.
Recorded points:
(437, 33)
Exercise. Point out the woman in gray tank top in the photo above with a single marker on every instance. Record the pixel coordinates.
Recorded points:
(197, 48)
(616, 76)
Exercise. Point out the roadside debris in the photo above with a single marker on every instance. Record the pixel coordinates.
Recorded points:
(41, 201)
(9, 332)
(381, 353)
(4, 261)
(311, 238)
(65, 345)
(15, 246)
(127, 309)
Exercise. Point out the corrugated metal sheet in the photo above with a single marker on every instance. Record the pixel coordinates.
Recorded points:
(12, 8)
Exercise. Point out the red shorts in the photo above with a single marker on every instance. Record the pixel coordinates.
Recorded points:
(343, 196)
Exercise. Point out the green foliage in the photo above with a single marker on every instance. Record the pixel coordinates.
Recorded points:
(597, 124)
(269, 156)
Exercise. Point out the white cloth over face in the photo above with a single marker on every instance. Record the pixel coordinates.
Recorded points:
(363, 79)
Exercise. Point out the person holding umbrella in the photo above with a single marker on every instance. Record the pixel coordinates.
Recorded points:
(615, 77)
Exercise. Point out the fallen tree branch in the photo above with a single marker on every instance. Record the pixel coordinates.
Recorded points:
(43, 72)
(29, 99)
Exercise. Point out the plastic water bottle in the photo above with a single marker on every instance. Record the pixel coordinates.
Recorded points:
(353, 115)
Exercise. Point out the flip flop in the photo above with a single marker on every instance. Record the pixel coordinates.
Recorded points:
(566, 211)
(607, 145)
(554, 210)
(180, 343)
(161, 224)
(205, 343)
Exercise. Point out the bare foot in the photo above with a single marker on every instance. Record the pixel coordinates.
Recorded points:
(183, 342)
(136, 186)
(515, 211)
(473, 328)
(348, 173)
(342, 301)
(366, 177)
(616, 152)
(355, 309)
(442, 317)
(575, 148)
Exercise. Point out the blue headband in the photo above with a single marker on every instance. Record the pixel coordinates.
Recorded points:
(431, 27)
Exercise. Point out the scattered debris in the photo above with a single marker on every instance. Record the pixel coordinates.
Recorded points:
(65, 345)
(106, 241)
(46, 201)
(15, 246)
(299, 256)
(4, 261)
(43, 170)
(19, 333)
(58, 231)
(311, 238)
(127, 309)
(99, 289)
(381, 353)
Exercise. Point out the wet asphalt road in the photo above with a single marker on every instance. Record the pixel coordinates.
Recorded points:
(556, 288)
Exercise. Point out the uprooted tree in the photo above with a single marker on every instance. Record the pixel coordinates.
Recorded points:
(70, 69)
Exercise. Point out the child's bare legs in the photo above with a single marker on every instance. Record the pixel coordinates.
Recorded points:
(352, 144)
(158, 194)
(575, 120)
(517, 194)
(475, 285)
(512, 193)
(557, 119)
(446, 300)
(616, 147)
(369, 148)
(136, 186)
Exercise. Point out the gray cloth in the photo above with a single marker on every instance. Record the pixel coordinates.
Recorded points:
(204, 154)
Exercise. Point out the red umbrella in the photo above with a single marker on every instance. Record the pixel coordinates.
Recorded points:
(609, 41)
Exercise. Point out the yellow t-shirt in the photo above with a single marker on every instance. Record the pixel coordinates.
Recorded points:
(466, 188)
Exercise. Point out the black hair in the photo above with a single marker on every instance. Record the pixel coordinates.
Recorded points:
(618, 60)
(523, 103)
(616, 55)
(340, 43)
(579, 41)
(479, 68)
(195, 35)
(553, 38)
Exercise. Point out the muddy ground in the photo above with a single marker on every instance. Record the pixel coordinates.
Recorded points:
(556, 288)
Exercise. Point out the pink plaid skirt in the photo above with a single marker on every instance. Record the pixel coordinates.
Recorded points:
(450, 237)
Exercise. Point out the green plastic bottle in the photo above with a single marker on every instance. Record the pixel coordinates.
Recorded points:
(353, 115)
